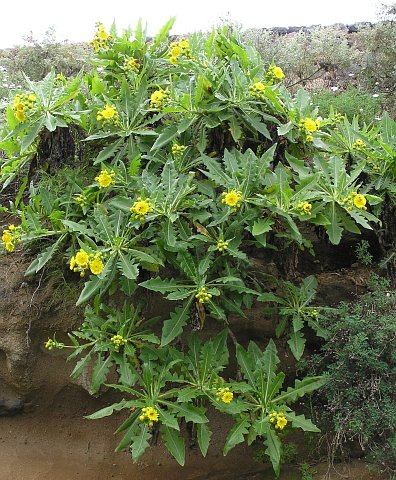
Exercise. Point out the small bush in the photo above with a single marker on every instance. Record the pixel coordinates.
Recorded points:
(350, 102)
(360, 362)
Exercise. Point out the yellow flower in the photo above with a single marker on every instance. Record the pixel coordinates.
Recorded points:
(6, 237)
(304, 208)
(105, 178)
(360, 201)
(81, 259)
(184, 44)
(175, 51)
(203, 296)
(141, 208)
(20, 116)
(108, 113)
(9, 246)
(32, 97)
(275, 72)
(221, 245)
(309, 138)
(96, 265)
(310, 125)
(72, 262)
(153, 415)
(227, 397)
(158, 98)
(232, 198)
(281, 422)
(257, 90)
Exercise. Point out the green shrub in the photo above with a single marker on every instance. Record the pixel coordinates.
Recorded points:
(350, 102)
(359, 360)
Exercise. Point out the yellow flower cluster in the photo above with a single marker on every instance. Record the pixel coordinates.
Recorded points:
(309, 125)
(275, 73)
(224, 394)
(178, 49)
(117, 341)
(81, 199)
(354, 199)
(358, 145)
(336, 118)
(50, 344)
(257, 90)
(149, 414)
(304, 208)
(23, 103)
(108, 115)
(131, 65)
(11, 236)
(203, 296)
(105, 178)
(233, 199)
(102, 40)
(221, 245)
(314, 313)
(141, 208)
(278, 418)
(178, 150)
(158, 98)
(82, 261)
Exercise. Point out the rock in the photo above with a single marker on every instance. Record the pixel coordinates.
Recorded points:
(10, 402)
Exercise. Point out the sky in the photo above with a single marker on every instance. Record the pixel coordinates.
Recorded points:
(74, 20)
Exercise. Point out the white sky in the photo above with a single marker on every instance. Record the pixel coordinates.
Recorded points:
(75, 20)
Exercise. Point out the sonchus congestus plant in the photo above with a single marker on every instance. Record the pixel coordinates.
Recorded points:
(196, 157)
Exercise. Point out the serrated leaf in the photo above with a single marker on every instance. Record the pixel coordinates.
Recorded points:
(262, 225)
(99, 374)
(139, 443)
(174, 443)
(158, 284)
(107, 411)
(299, 421)
(191, 413)
(174, 325)
(301, 387)
(127, 267)
(203, 435)
(274, 447)
(236, 434)
(296, 343)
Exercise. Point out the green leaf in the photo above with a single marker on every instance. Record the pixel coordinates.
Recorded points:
(127, 267)
(80, 365)
(44, 257)
(301, 387)
(299, 421)
(274, 447)
(261, 226)
(166, 136)
(191, 413)
(169, 233)
(297, 344)
(107, 411)
(284, 129)
(132, 425)
(203, 435)
(174, 443)
(174, 325)
(160, 285)
(187, 264)
(140, 443)
(236, 434)
(31, 135)
(145, 257)
(245, 364)
(99, 374)
(77, 227)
